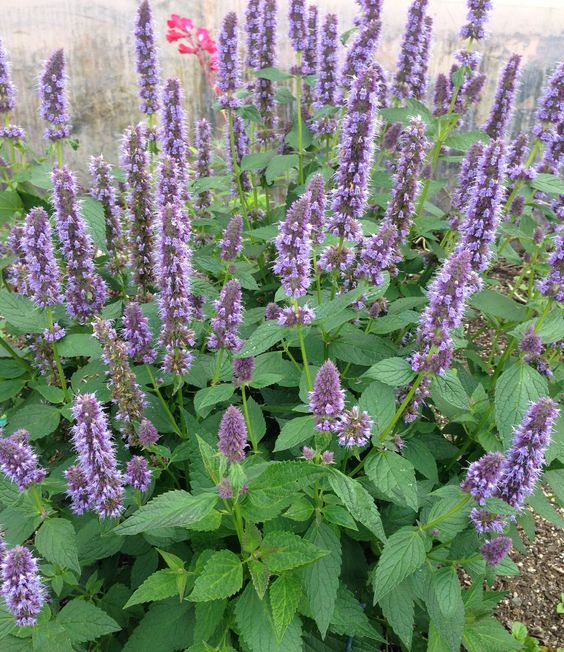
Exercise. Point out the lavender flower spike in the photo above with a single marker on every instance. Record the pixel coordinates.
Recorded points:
(228, 73)
(326, 89)
(78, 489)
(203, 200)
(477, 16)
(495, 550)
(553, 284)
(148, 434)
(551, 107)
(229, 314)
(138, 474)
(254, 18)
(378, 253)
(524, 460)
(137, 334)
(316, 189)
(297, 25)
(44, 278)
(310, 57)
(243, 369)
(54, 104)
(354, 428)
(86, 291)
(22, 588)
(419, 85)
(531, 345)
(483, 476)
(503, 103)
(264, 88)
(174, 137)
(174, 273)
(232, 435)
(327, 400)
(293, 246)
(361, 52)
(355, 154)
(19, 462)
(140, 206)
(466, 178)
(146, 60)
(410, 51)
(7, 92)
(482, 213)
(230, 245)
(92, 441)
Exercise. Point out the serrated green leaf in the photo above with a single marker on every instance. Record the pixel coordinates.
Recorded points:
(448, 394)
(158, 586)
(498, 305)
(221, 578)
(22, 313)
(394, 476)
(446, 608)
(166, 627)
(281, 474)
(279, 165)
(209, 396)
(379, 401)
(85, 622)
(399, 611)
(273, 74)
(285, 594)
(350, 619)
(282, 551)
(265, 336)
(463, 142)
(548, 183)
(7, 621)
(392, 371)
(260, 576)
(38, 420)
(10, 202)
(77, 345)
(93, 213)
(295, 432)
(488, 634)
(56, 541)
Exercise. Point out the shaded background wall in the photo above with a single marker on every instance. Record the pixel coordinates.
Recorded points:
(97, 36)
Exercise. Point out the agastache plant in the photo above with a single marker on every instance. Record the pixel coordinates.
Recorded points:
(327, 400)
(226, 323)
(232, 435)
(7, 90)
(22, 587)
(407, 79)
(503, 103)
(326, 89)
(553, 284)
(477, 16)
(137, 334)
(146, 60)
(297, 21)
(361, 52)
(264, 89)
(202, 165)
(19, 462)
(173, 134)
(54, 103)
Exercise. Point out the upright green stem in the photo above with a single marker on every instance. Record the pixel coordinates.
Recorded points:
(18, 359)
(299, 116)
(236, 170)
(163, 403)
(59, 148)
(303, 350)
(60, 371)
(238, 523)
(218, 364)
(248, 420)
(36, 494)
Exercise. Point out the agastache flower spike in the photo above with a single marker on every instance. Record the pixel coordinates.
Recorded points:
(22, 588)
(551, 107)
(354, 428)
(355, 154)
(466, 179)
(326, 89)
(173, 132)
(148, 434)
(419, 86)
(232, 435)
(310, 57)
(126, 393)
(103, 190)
(377, 253)
(54, 104)
(228, 74)
(371, 10)
(317, 204)
(503, 103)
(441, 95)
(92, 441)
(293, 246)
(229, 314)
(146, 60)
(553, 284)
(409, 58)
(138, 474)
(485, 522)
(253, 24)
(481, 218)
(172, 190)
(524, 460)
(531, 345)
(202, 168)
(86, 291)
(297, 25)
(495, 550)
(140, 206)
(19, 461)
(243, 369)
(7, 92)
(137, 334)
(483, 476)
(477, 16)
(230, 245)
(44, 278)
(327, 400)
(361, 52)
(241, 141)
(264, 88)
(78, 489)
(174, 273)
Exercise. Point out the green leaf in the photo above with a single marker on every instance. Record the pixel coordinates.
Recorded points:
(265, 336)
(350, 619)
(158, 586)
(358, 501)
(495, 304)
(209, 616)
(285, 594)
(548, 183)
(10, 202)
(166, 627)
(97, 541)
(49, 392)
(77, 345)
(48, 636)
(84, 622)
(321, 580)
(256, 161)
(38, 420)
(515, 389)
(171, 509)
(93, 212)
(56, 541)
(403, 554)
(418, 453)
(217, 182)
(279, 165)
(392, 371)
(463, 142)
(398, 609)
(206, 398)
(7, 621)
(273, 74)
(10, 388)
(282, 551)
(448, 394)
(222, 577)
(295, 432)
(488, 634)
(358, 347)
(22, 313)
(446, 608)
(457, 521)
(260, 576)
(394, 476)
(282, 474)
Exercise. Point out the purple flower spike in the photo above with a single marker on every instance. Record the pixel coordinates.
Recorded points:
(327, 401)
(354, 428)
(496, 550)
(103, 190)
(355, 154)
(336, 259)
(264, 88)
(466, 179)
(126, 393)
(202, 165)
(361, 52)
(419, 85)
(483, 476)
(174, 273)
(174, 137)
(308, 453)
(300, 316)
(224, 489)
(7, 92)
(44, 278)
(241, 142)
(409, 62)
(326, 89)
(243, 369)
(229, 315)
(148, 434)
(138, 474)
(531, 345)
(553, 284)
(54, 104)
(401, 208)
(137, 334)
(232, 435)
(78, 490)
(297, 25)
(140, 206)
(485, 522)
(253, 24)
(92, 441)
(272, 311)
(228, 74)
(378, 252)
(524, 460)
(441, 95)
(310, 57)
(481, 218)
(146, 60)
(551, 107)
(477, 16)
(86, 291)
(503, 103)
(169, 190)
(318, 201)
(22, 588)
(231, 245)
(12, 132)
(371, 10)
(293, 246)
(19, 462)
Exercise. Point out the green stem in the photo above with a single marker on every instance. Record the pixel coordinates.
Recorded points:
(300, 128)
(218, 364)
(304, 353)
(248, 420)
(164, 404)
(236, 170)
(59, 148)
(460, 505)
(23, 363)
(60, 371)
(36, 494)
(238, 523)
